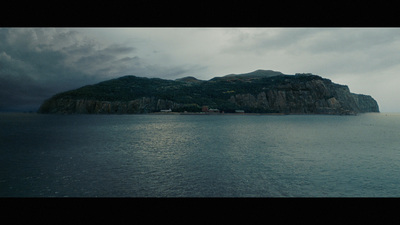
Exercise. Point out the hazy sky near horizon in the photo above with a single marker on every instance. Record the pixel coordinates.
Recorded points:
(36, 63)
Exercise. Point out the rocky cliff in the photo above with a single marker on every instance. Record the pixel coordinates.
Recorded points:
(262, 91)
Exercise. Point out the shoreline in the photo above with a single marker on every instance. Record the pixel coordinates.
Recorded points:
(249, 114)
(213, 114)
(199, 113)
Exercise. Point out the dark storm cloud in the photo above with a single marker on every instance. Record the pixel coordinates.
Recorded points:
(37, 63)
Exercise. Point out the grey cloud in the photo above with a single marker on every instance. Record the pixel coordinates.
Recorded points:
(311, 40)
(263, 41)
(351, 39)
(79, 49)
(356, 50)
(37, 63)
(118, 49)
(339, 49)
(93, 60)
(129, 59)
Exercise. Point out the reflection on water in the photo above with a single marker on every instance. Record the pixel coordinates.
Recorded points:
(199, 156)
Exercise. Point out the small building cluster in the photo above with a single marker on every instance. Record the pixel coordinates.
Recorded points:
(209, 110)
(166, 110)
(205, 109)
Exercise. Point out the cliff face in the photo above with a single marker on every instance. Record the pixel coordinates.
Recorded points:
(310, 97)
(299, 94)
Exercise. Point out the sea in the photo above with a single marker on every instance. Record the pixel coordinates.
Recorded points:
(198, 156)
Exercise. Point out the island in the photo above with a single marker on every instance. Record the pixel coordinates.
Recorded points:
(261, 91)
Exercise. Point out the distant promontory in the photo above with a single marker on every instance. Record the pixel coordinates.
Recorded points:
(261, 91)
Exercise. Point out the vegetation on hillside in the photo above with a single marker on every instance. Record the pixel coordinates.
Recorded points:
(189, 91)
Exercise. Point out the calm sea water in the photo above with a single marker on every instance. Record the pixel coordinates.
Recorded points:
(199, 156)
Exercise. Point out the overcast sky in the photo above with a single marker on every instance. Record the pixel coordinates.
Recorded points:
(36, 63)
